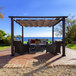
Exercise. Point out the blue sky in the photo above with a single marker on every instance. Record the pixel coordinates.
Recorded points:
(34, 8)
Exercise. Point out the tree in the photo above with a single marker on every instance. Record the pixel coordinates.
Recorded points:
(73, 32)
(70, 32)
(2, 34)
(70, 21)
(58, 30)
(7, 40)
(1, 15)
(18, 36)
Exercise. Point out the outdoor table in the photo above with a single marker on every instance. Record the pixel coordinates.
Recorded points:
(36, 47)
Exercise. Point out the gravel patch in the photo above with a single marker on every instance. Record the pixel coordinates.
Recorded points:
(59, 70)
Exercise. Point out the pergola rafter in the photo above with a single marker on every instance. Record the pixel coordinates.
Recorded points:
(40, 21)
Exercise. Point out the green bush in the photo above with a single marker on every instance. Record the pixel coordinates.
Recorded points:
(7, 40)
(68, 40)
(2, 41)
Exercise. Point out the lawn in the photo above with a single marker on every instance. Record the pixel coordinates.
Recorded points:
(26, 42)
(72, 46)
(3, 47)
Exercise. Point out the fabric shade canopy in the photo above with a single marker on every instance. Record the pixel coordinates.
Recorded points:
(37, 21)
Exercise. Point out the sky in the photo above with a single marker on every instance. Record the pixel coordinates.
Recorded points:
(34, 8)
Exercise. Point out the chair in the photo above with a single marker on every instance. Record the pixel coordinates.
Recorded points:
(54, 48)
(51, 48)
(58, 46)
(20, 48)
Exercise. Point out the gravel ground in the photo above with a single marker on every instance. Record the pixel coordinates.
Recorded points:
(61, 70)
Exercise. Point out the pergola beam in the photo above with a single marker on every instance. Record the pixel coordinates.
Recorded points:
(37, 16)
(57, 22)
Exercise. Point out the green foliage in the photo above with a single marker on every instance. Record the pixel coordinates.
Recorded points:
(72, 46)
(2, 34)
(1, 14)
(4, 38)
(70, 31)
(47, 40)
(3, 47)
(25, 41)
(18, 36)
(71, 34)
(68, 40)
(7, 40)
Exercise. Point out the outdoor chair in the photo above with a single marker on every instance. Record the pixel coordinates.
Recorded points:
(58, 44)
(54, 48)
(21, 48)
(51, 48)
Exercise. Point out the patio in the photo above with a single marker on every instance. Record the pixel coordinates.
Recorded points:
(38, 60)
(37, 21)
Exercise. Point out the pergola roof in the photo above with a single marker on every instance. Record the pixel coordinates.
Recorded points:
(38, 21)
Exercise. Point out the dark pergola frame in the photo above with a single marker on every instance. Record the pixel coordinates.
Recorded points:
(12, 30)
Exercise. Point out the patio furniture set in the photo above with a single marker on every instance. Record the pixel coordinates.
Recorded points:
(37, 45)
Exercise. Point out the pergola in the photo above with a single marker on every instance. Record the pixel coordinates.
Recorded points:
(37, 21)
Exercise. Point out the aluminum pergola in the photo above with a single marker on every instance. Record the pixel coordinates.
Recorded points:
(37, 21)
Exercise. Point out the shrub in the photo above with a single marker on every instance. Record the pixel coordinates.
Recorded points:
(68, 40)
(1, 41)
(7, 40)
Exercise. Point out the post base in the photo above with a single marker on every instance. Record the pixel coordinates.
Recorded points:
(63, 55)
(12, 55)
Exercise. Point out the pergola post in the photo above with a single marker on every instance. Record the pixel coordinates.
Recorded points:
(12, 37)
(63, 46)
(52, 34)
(22, 34)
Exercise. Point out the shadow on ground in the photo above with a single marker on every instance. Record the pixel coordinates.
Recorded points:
(6, 58)
(40, 68)
(42, 58)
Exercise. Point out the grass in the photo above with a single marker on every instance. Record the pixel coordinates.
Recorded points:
(72, 46)
(3, 47)
(27, 41)
(49, 41)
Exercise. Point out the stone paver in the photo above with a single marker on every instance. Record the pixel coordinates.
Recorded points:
(37, 59)
(69, 59)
